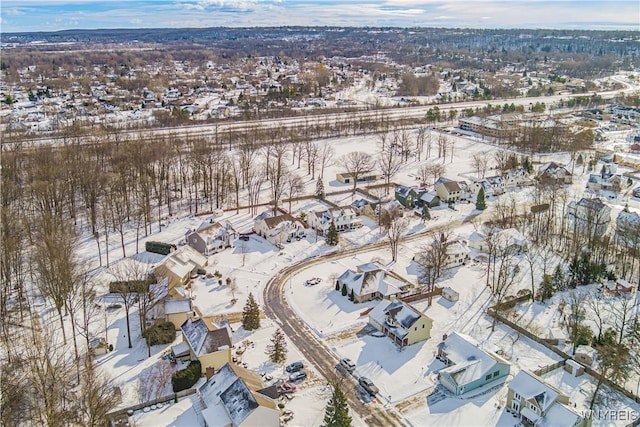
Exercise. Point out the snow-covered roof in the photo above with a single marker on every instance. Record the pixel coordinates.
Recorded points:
(203, 341)
(230, 397)
(587, 350)
(173, 306)
(180, 349)
(530, 387)
(371, 278)
(470, 361)
(559, 415)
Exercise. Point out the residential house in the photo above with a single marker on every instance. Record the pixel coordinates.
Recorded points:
(540, 404)
(371, 281)
(176, 311)
(510, 240)
(492, 186)
(628, 228)
(207, 343)
(401, 322)
(212, 238)
(589, 217)
(618, 287)
(458, 254)
(407, 196)
(359, 205)
(347, 178)
(518, 177)
(235, 397)
(468, 366)
(178, 267)
(451, 191)
(605, 182)
(585, 354)
(553, 173)
(344, 218)
(428, 198)
(279, 228)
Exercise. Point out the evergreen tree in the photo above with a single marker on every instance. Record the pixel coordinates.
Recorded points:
(344, 290)
(580, 159)
(332, 234)
(277, 350)
(352, 295)
(425, 213)
(480, 202)
(337, 286)
(251, 314)
(320, 189)
(336, 413)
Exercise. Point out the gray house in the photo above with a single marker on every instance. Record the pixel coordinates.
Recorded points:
(212, 238)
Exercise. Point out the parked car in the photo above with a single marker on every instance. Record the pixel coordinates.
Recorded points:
(368, 385)
(279, 246)
(294, 367)
(314, 281)
(298, 376)
(286, 388)
(348, 365)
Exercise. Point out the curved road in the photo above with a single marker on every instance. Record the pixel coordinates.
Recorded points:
(315, 351)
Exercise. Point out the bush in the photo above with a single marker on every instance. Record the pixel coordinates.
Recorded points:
(186, 378)
(160, 333)
(130, 286)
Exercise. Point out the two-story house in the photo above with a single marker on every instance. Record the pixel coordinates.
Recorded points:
(518, 177)
(235, 397)
(345, 219)
(589, 217)
(458, 253)
(401, 322)
(553, 173)
(468, 366)
(540, 404)
(449, 191)
(278, 228)
(207, 343)
(178, 267)
(212, 238)
(628, 228)
(371, 281)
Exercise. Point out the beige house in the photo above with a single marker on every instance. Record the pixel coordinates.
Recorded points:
(553, 173)
(236, 397)
(347, 178)
(208, 344)
(537, 403)
(279, 228)
(179, 266)
(401, 322)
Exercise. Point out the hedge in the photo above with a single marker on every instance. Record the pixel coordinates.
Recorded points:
(128, 286)
(160, 333)
(187, 377)
(159, 247)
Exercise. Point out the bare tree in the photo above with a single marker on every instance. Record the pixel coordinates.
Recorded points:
(431, 261)
(356, 164)
(574, 320)
(98, 397)
(434, 170)
(480, 163)
(396, 229)
(388, 161)
(326, 153)
(504, 279)
(129, 275)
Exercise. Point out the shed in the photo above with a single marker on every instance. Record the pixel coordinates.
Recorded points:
(586, 354)
(574, 368)
(180, 350)
(450, 295)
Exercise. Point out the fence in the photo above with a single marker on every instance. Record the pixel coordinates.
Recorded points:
(420, 297)
(120, 413)
(549, 368)
(494, 313)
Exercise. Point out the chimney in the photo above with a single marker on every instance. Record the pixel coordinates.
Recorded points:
(209, 372)
(444, 337)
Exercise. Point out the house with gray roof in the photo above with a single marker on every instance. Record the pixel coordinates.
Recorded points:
(212, 238)
(401, 322)
(235, 397)
(371, 281)
(468, 366)
(209, 344)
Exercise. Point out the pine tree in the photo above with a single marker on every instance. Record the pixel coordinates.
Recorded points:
(277, 350)
(351, 295)
(336, 413)
(337, 285)
(332, 234)
(251, 314)
(344, 290)
(425, 213)
(480, 203)
(320, 189)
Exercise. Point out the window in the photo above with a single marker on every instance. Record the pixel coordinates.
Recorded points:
(423, 326)
(533, 407)
(516, 396)
(488, 377)
(496, 373)
(415, 329)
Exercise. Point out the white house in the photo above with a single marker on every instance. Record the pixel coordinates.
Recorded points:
(589, 216)
(344, 218)
(212, 238)
(279, 228)
(458, 254)
(371, 281)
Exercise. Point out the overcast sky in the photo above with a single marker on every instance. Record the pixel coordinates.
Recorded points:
(53, 15)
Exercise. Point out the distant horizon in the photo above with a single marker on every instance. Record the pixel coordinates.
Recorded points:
(41, 16)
